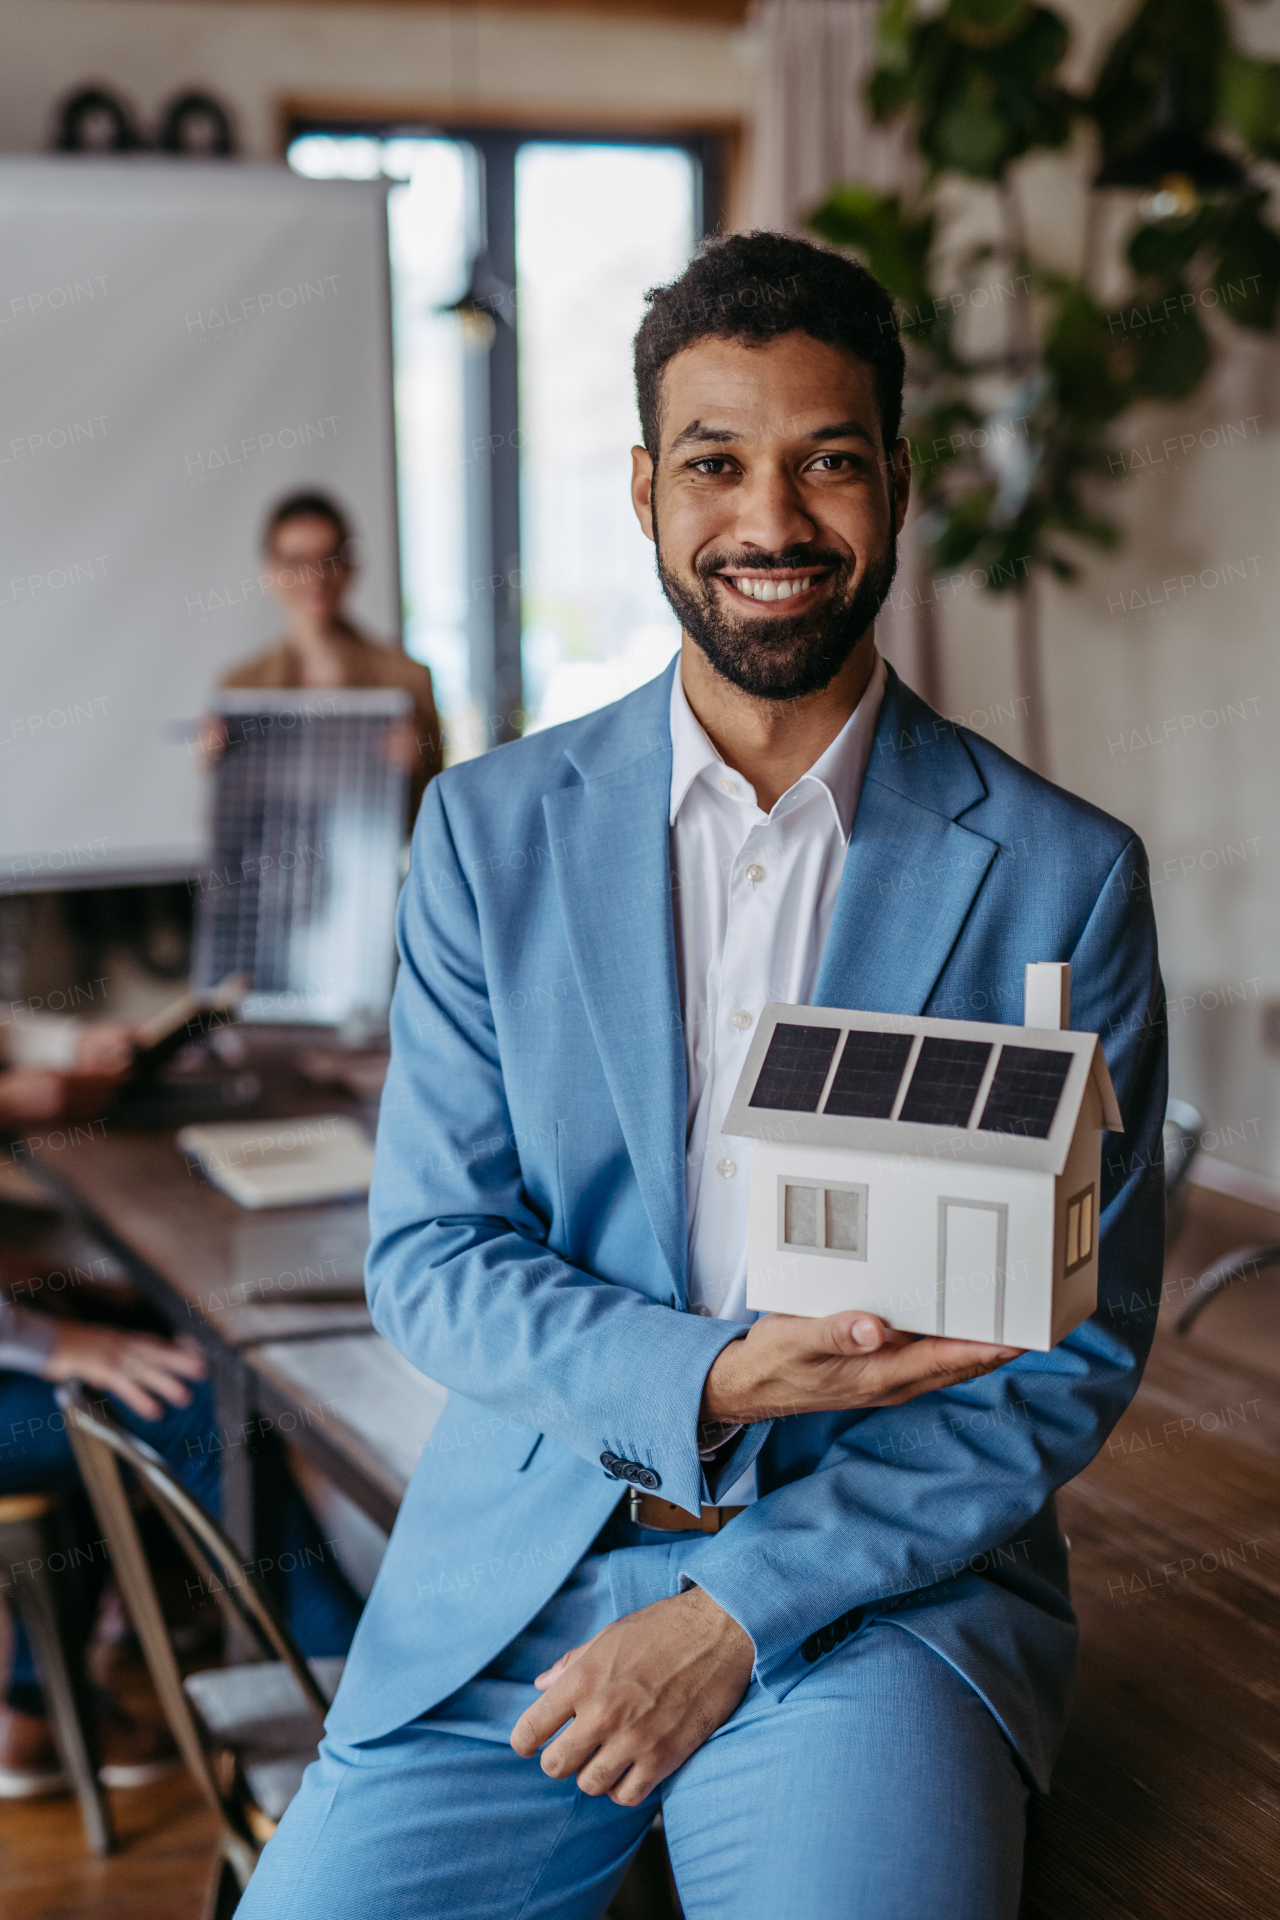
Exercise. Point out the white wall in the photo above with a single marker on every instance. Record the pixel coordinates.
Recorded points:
(1203, 796)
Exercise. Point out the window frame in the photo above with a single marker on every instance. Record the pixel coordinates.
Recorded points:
(819, 1184)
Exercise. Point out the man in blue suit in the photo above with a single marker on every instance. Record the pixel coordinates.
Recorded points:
(798, 1584)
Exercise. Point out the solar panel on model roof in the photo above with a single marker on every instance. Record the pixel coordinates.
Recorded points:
(945, 1083)
(1025, 1091)
(866, 1080)
(795, 1068)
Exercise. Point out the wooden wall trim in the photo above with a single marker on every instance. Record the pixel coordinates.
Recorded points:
(691, 13)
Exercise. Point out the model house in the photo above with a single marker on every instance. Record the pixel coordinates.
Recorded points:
(940, 1173)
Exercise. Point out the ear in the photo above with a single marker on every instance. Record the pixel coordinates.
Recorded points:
(642, 489)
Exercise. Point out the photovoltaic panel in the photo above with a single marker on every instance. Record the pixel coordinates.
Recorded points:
(866, 1081)
(795, 1068)
(1025, 1091)
(945, 1083)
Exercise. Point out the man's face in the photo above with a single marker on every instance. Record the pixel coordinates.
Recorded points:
(772, 507)
(307, 570)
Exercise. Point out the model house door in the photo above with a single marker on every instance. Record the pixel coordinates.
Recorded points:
(971, 1254)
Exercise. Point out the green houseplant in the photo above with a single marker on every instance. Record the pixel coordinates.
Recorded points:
(1011, 438)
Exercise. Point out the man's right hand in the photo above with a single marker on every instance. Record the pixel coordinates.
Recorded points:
(788, 1364)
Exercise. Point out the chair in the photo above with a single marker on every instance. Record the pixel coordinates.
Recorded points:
(245, 1732)
(33, 1539)
(1182, 1129)
(1183, 1125)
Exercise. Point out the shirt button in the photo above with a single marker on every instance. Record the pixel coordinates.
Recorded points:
(755, 874)
(727, 786)
(740, 1019)
(726, 1168)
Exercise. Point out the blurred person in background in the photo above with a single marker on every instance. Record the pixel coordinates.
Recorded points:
(307, 549)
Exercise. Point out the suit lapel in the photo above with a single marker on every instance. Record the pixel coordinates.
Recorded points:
(911, 873)
(611, 854)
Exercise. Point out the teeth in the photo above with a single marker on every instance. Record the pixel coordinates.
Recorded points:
(771, 589)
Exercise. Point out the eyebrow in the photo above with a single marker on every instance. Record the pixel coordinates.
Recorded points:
(698, 434)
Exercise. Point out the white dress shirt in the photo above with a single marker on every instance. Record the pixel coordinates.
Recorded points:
(753, 894)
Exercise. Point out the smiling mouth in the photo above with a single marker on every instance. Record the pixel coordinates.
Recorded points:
(775, 587)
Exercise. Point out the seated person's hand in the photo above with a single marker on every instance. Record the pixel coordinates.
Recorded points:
(31, 1093)
(789, 1364)
(105, 1049)
(137, 1368)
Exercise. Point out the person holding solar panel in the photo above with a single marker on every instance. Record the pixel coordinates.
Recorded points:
(796, 1583)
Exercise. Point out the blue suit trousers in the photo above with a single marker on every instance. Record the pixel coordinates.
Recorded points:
(880, 1788)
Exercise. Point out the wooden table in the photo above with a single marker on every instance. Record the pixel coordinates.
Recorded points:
(362, 1411)
(212, 1269)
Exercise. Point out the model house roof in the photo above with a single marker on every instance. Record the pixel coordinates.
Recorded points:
(902, 1084)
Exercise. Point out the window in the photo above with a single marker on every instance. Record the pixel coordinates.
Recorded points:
(828, 1216)
(1079, 1248)
(519, 264)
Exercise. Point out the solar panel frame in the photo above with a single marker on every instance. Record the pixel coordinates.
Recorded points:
(794, 1069)
(868, 1074)
(1026, 1091)
(945, 1082)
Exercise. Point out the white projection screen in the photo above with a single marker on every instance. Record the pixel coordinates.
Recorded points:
(182, 343)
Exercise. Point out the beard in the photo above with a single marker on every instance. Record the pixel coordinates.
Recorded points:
(786, 658)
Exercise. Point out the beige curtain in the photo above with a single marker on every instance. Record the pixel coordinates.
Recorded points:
(812, 129)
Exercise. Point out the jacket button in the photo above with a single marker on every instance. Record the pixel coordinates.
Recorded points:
(612, 1465)
(645, 1477)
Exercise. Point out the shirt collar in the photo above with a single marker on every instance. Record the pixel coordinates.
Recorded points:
(839, 772)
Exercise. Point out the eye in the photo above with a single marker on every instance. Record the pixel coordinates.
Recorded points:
(711, 463)
(833, 463)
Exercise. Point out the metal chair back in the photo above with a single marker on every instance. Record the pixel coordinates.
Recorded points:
(102, 1448)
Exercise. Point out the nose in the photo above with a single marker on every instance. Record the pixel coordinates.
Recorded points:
(771, 513)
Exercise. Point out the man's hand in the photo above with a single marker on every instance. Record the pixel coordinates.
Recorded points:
(789, 1364)
(139, 1369)
(639, 1698)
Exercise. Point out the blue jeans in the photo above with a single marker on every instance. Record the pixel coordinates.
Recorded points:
(36, 1457)
(880, 1788)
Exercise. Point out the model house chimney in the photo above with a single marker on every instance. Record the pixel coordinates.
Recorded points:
(1047, 996)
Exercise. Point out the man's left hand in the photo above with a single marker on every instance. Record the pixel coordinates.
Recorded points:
(639, 1698)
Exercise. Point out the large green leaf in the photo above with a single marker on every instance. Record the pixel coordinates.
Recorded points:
(1247, 281)
(1085, 356)
(894, 245)
(1170, 358)
(1249, 101)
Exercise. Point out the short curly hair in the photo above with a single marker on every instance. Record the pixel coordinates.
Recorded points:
(751, 287)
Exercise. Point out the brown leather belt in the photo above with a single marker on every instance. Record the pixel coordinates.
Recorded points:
(647, 1511)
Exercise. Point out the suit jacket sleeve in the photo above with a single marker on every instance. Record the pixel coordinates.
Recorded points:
(459, 1275)
(905, 1496)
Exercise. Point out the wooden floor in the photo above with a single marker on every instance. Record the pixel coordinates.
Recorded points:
(1167, 1799)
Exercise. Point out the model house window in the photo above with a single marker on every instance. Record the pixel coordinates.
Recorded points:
(1079, 1230)
(827, 1216)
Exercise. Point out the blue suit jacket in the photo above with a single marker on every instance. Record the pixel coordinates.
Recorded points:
(529, 1231)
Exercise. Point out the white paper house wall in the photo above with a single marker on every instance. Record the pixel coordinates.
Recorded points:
(941, 1173)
